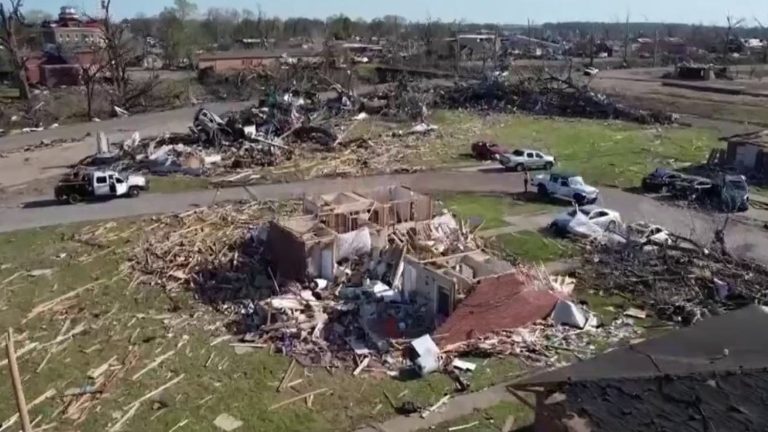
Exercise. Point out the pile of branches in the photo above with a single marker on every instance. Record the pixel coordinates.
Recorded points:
(680, 284)
(544, 95)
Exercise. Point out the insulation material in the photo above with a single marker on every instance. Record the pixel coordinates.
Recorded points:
(353, 244)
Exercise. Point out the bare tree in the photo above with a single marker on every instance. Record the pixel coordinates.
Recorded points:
(11, 21)
(730, 32)
(91, 75)
(626, 40)
(119, 50)
(765, 40)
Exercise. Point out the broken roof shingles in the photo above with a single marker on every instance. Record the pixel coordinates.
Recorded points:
(497, 303)
(702, 402)
(730, 342)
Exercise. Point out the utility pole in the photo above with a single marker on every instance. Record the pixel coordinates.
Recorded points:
(655, 47)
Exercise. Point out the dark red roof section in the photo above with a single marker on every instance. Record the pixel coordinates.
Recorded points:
(499, 303)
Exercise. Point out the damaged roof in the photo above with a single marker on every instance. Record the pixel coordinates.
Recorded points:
(759, 138)
(497, 303)
(730, 342)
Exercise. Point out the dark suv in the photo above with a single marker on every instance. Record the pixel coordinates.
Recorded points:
(660, 180)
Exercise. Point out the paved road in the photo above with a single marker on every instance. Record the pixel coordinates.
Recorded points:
(743, 236)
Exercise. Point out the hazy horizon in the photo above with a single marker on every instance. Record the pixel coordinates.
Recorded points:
(708, 12)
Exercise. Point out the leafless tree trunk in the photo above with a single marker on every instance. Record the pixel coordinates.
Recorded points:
(729, 33)
(626, 40)
(10, 21)
(765, 40)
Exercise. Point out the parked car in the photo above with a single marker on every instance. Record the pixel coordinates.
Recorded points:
(522, 159)
(586, 221)
(690, 188)
(484, 150)
(660, 180)
(729, 193)
(565, 186)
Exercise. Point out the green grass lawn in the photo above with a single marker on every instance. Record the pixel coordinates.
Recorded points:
(607, 153)
(121, 317)
(533, 247)
(492, 208)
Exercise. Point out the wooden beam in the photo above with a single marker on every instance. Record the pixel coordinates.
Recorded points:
(21, 403)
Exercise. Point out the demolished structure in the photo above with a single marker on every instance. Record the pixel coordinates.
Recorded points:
(358, 277)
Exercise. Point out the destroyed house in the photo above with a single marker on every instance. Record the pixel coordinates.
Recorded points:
(340, 226)
(429, 259)
(711, 376)
(748, 152)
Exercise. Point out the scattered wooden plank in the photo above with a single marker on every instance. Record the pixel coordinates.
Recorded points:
(11, 420)
(179, 425)
(156, 391)
(286, 376)
(153, 364)
(119, 425)
(21, 402)
(431, 409)
(96, 372)
(465, 426)
(42, 307)
(294, 399)
(361, 366)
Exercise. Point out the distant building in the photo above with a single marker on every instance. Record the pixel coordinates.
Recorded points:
(69, 31)
(229, 61)
(646, 47)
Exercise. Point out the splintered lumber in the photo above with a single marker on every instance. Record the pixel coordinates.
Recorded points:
(21, 403)
(119, 425)
(96, 372)
(155, 392)
(287, 375)
(153, 364)
(179, 424)
(42, 307)
(294, 399)
(11, 420)
(465, 426)
(361, 366)
(30, 347)
(439, 403)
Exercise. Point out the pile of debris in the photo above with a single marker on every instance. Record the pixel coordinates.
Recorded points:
(360, 281)
(544, 96)
(679, 283)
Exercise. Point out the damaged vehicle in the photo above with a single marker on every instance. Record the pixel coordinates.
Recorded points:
(649, 233)
(565, 186)
(586, 221)
(661, 180)
(524, 160)
(484, 150)
(99, 185)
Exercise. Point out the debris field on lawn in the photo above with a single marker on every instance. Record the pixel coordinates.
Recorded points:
(293, 131)
(681, 283)
(377, 281)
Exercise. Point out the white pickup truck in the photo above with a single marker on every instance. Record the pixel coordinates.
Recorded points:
(565, 186)
(99, 184)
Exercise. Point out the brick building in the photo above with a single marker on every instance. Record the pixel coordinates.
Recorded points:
(231, 61)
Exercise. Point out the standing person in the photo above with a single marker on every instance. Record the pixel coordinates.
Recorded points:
(526, 181)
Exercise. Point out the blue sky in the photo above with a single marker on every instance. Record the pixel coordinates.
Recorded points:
(498, 11)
